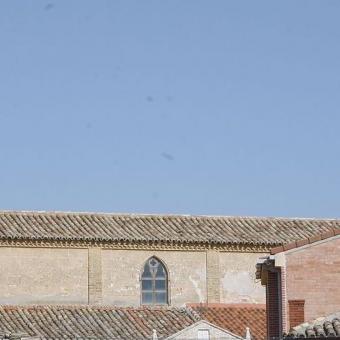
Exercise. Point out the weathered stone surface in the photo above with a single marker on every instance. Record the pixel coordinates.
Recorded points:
(112, 277)
(213, 276)
(238, 282)
(122, 270)
(43, 275)
(95, 276)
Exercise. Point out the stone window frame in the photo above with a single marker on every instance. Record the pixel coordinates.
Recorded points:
(167, 282)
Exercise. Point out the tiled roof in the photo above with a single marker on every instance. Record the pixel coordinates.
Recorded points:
(308, 240)
(158, 228)
(69, 322)
(322, 327)
(235, 317)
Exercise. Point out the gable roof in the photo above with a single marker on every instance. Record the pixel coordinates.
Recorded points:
(109, 322)
(309, 240)
(93, 322)
(235, 317)
(99, 227)
(204, 323)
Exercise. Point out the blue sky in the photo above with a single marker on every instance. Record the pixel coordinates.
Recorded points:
(189, 107)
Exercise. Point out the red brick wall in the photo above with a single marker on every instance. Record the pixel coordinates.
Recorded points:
(296, 312)
(273, 305)
(313, 275)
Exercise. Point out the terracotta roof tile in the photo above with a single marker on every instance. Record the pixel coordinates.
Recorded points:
(158, 228)
(94, 322)
(309, 240)
(235, 317)
(323, 327)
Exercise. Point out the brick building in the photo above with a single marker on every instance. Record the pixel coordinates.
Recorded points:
(302, 281)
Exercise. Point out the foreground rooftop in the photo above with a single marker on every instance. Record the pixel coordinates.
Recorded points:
(109, 322)
(322, 327)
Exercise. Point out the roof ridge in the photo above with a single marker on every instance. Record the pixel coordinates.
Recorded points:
(125, 214)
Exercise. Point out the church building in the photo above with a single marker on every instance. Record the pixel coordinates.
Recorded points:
(55, 258)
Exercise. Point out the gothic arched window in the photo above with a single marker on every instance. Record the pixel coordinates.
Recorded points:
(154, 283)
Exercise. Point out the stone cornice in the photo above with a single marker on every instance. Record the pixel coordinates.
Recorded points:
(140, 245)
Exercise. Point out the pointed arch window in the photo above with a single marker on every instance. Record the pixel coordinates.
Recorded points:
(154, 283)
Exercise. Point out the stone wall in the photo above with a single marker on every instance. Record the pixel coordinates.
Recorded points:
(43, 275)
(95, 276)
(121, 271)
(238, 284)
(213, 276)
(105, 276)
(313, 275)
(194, 276)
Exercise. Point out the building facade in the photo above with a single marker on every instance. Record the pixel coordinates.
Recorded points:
(70, 275)
(134, 260)
(84, 258)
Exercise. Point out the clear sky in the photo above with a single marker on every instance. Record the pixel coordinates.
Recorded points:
(191, 107)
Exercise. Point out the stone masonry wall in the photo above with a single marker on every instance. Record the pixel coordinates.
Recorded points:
(103, 276)
(313, 275)
(194, 276)
(43, 275)
(213, 276)
(95, 276)
(122, 269)
(237, 273)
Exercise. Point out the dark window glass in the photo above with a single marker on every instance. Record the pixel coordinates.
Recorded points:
(160, 284)
(160, 271)
(160, 298)
(147, 298)
(154, 283)
(147, 285)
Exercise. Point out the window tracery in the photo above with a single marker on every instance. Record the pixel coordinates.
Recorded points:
(154, 283)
